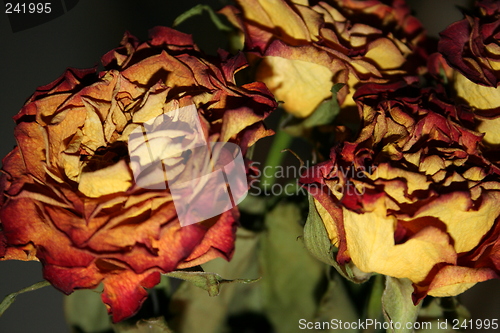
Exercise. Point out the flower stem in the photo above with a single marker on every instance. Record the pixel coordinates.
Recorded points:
(282, 140)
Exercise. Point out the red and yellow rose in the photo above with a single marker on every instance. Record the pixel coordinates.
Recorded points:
(413, 196)
(68, 197)
(306, 47)
(472, 47)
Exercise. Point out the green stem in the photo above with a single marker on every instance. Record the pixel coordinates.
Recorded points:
(374, 306)
(9, 299)
(282, 140)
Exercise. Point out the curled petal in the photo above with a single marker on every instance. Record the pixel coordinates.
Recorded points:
(454, 280)
(124, 292)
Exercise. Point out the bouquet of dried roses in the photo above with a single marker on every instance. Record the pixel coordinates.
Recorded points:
(337, 169)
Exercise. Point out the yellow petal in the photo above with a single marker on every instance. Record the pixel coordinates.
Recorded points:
(370, 242)
(301, 85)
(331, 15)
(93, 135)
(455, 177)
(475, 173)
(494, 49)
(385, 54)
(328, 222)
(476, 95)
(431, 164)
(234, 121)
(312, 20)
(413, 158)
(276, 14)
(113, 179)
(395, 189)
(414, 181)
(152, 106)
(71, 164)
(466, 224)
(490, 129)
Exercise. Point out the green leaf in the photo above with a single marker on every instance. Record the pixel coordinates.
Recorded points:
(326, 111)
(288, 291)
(337, 303)
(282, 140)
(439, 313)
(9, 299)
(374, 306)
(442, 75)
(198, 10)
(210, 282)
(316, 238)
(397, 304)
(291, 277)
(153, 325)
(190, 303)
(85, 311)
(318, 243)
(253, 205)
(453, 309)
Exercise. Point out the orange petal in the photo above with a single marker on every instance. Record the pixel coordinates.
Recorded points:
(454, 280)
(124, 293)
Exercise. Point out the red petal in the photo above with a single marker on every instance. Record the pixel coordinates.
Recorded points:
(167, 36)
(218, 241)
(67, 279)
(124, 293)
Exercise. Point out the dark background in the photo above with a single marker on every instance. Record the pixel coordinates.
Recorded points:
(78, 37)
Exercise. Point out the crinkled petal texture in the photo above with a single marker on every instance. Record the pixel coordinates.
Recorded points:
(472, 47)
(69, 198)
(414, 196)
(306, 48)
(472, 44)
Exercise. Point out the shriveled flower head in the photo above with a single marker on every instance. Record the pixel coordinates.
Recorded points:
(413, 197)
(69, 198)
(472, 44)
(308, 46)
(472, 47)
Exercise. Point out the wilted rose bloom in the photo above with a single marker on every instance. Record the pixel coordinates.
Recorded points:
(69, 198)
(472, 47)
(307, 47)
(413, 197)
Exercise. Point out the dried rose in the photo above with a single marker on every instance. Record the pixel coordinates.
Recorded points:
(472, 47)
(307, 48)
(413, 196)
(69, 198)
